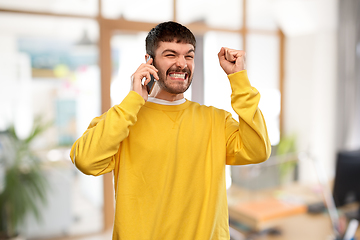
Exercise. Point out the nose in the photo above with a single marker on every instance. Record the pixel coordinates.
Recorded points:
(181, 62)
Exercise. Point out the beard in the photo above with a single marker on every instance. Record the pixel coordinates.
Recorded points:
(174, 87)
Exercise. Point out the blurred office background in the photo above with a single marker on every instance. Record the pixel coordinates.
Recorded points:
(69, 61)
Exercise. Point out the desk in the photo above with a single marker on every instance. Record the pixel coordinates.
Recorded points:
(302, 226)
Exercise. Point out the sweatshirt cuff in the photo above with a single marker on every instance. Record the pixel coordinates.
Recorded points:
(239, 80)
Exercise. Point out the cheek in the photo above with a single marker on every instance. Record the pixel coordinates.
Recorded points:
(191, 66)
(162, 73)
(165, 69)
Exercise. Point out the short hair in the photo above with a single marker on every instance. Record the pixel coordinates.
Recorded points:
(168, 32)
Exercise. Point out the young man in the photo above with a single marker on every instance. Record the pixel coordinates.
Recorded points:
(168, 154)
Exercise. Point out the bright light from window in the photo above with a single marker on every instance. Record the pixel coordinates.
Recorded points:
(262, 57)
(217, 88)
(23, 109)
(212, 12)
(130, 53)
(260, 15)
(81, 7)
(270, 103)
(139, 10)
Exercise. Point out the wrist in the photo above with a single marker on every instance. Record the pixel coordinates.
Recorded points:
(239, 80)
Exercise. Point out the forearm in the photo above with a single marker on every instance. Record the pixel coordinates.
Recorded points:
(93, 153)
(248, 140)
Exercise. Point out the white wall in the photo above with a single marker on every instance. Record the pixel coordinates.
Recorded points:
(310, 88)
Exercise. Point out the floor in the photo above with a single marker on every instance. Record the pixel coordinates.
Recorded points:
(100, 236)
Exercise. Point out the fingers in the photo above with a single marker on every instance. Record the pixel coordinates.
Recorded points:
(144, 71)
(232, 55)
(241, 61)
(150, 60)
(147, 79)
(231, 60)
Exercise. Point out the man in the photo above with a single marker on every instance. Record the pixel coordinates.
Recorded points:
(168, 154)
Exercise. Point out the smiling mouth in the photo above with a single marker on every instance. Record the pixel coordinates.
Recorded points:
(179, 76)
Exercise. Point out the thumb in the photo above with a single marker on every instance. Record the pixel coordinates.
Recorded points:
(221, 54)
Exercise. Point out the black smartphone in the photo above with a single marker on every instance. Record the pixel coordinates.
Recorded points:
(151, 84)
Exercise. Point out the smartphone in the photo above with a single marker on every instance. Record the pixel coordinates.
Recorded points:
(151, 84)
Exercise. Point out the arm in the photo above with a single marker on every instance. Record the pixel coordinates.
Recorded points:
(94, 152)
(247, 141)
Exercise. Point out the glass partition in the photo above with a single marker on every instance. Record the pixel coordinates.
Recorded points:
(140, 10)
(212, 12)
(128, 52)
(217, 88)
(79, 7)
(263, 69)
(49, 70)
(260, 15)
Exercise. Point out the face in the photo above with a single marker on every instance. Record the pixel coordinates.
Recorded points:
(175, 65)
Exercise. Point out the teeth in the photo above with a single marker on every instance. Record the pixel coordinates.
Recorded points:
(177, 75)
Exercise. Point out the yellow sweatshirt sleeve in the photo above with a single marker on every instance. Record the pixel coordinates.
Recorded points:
(247, 140)
(94, 152)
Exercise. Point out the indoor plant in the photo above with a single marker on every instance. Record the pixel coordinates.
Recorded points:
(286, 151)
(23, 184)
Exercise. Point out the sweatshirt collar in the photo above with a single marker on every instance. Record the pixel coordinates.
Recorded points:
(165, 102)
(163, 107)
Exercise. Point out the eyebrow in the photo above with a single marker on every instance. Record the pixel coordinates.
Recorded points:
(173, 51)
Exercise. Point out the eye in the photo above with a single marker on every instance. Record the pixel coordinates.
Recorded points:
(189, 57)
(170, 55)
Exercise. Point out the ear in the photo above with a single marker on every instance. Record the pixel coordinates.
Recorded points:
(147, 57)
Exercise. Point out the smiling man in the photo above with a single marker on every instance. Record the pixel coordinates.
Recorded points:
(175, 65)
(168, 154)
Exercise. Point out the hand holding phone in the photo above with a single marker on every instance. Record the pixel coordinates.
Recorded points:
(144, 71)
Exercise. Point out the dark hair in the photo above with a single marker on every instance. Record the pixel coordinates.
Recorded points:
(168, 32)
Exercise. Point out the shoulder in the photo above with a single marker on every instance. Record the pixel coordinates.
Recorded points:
(205, 108)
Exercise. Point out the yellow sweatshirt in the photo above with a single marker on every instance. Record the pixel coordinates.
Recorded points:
(169, 162)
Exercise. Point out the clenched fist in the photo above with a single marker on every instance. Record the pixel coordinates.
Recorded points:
(231, 60)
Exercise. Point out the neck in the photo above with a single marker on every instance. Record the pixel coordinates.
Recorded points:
(157, 92)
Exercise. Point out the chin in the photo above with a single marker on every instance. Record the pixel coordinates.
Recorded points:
(178, 89)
